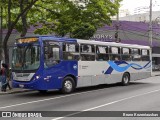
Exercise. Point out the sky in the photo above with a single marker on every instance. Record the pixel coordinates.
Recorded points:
(132, 4)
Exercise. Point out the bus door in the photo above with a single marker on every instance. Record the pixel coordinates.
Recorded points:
(52, 64)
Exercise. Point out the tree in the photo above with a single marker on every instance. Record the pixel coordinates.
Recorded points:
(62, 17)
(21, 14)
(57, 18)
(80, 21)
(16, 9)
(84, 31)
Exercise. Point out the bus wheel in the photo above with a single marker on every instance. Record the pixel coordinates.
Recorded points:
(68, 85)
(125, 79)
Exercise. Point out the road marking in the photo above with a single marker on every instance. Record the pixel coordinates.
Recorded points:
(15, 105)
(103, 105)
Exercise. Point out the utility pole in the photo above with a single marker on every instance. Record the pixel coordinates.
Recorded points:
(1, 33)
(150, 24)
(117, 39)
(117, 27)
(150, 32)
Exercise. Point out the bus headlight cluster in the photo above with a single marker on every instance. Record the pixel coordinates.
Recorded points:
(37, 76)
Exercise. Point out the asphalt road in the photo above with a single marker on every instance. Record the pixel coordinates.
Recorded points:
(142, 95)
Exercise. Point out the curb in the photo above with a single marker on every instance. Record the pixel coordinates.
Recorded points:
(155, 75)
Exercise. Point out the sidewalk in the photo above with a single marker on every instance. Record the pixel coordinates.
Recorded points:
(14, 90)
(155, 73)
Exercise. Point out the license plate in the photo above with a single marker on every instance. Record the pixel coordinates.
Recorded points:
(21, 86)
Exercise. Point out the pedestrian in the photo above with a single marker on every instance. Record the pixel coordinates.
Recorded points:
(8, 78)
(3, 73)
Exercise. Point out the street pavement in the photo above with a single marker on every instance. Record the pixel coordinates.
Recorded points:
(141, 95)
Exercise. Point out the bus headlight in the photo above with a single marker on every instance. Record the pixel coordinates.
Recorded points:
(37, 76)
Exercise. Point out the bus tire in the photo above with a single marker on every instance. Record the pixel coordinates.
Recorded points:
(125, 79)
(68, 85)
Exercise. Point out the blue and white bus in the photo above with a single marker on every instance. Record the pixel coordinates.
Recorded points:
(47, 62)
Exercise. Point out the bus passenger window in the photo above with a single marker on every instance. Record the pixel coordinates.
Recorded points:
(102, 53)
(87, 52)
(115, 53)
(136, 55)
(145, 55)
(116, 58)
(70, 51)
(126, 54)
(87, 57)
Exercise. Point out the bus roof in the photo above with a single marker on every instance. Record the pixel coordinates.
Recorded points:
(112, 44)
(95, 42)
(73, 40)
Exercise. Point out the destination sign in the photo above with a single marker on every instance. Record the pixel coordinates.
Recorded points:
(27, 40)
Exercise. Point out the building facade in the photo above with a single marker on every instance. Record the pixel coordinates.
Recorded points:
(133, 33)
(130, 32)
(143, 17)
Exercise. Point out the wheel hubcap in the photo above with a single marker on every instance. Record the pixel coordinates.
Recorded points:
(68, 85)
(126, 79)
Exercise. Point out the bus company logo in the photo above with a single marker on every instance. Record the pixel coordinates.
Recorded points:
(75, 67)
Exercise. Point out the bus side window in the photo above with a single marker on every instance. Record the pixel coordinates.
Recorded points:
(145, 55)
(102, 53)
(126, 54)
(87, 52)
(115, 53)
(136, 54)
(70, 51)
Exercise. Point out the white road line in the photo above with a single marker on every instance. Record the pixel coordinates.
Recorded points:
(103, 105)
(50, 99)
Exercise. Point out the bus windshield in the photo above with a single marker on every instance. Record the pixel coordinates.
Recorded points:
(26, 57)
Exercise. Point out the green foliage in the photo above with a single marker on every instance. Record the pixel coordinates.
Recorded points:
(12, 11)
(77, 21)
(44, 30)
(84, 31)
(9, 18)
(61, 16)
